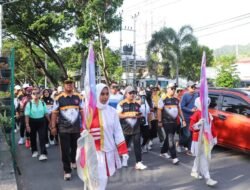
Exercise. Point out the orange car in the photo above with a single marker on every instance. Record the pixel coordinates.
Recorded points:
(231, 111)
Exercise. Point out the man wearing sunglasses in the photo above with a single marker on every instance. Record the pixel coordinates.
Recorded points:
(188, 108)
(129, 113)
(168, 111)
(115, 97)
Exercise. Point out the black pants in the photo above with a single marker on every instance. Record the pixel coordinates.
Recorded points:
(153, 130)
(68, 142)
(145, 132)
(169, 143)
(137, 145)
(38, 126)
(22, 128)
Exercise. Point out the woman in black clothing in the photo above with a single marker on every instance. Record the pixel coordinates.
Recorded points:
(49, 103)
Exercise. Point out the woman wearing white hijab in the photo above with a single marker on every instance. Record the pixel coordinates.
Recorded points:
(107, 133)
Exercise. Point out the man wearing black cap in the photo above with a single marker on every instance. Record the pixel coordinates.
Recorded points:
(68, 106)
(188, 108)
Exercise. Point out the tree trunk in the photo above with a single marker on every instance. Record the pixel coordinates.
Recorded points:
(102, 57)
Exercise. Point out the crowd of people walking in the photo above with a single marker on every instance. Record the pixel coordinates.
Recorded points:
(126, 118)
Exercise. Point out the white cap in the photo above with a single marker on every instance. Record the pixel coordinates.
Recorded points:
(17, 87)
(26, 85)
(59, 89)
(170, 85)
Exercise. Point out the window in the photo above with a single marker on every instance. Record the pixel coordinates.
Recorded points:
(235, 105)
(214, 101)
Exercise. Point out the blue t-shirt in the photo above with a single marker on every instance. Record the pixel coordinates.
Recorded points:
(187, 104)
(114, 99)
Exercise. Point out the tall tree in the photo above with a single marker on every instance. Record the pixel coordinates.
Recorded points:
(40, 24)
(191, 60)
(97, 19)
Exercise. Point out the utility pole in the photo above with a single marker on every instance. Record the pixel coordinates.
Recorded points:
(135, 19)
(121, 36)
(3, 2)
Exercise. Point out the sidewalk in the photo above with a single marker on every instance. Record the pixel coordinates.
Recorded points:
(7, 174)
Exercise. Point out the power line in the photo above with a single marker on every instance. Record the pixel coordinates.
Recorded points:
(223, 22)
(219, 31)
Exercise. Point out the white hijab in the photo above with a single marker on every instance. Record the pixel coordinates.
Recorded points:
(99, 88)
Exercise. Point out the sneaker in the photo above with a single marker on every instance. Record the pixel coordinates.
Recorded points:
(140, 166)
(150, 143)
(176, 161)
(47, 145)
(149, 147)
(189, 153)
(21, 141)
(211, 182)
(165, 155)
(67, 176)
(196, 175)
(43, 157)
(27, 143)
(52, 142)
(73, 166)
(124, 162)
(34, 154)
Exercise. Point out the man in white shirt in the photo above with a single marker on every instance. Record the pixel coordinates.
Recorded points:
(115, 96)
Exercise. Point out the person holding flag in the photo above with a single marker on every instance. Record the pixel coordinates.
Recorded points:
(102, 141)
(204, 134)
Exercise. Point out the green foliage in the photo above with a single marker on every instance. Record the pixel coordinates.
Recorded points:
(243, 51)
(5, 120)
(227, 75)
(191, 60)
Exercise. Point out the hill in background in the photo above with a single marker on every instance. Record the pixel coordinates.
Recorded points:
(243, 51)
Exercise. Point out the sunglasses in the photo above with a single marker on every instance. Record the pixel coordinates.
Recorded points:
(193, 87)
(35, 93)
(133, 92)
(172, 88)
(104, 94)
(114, 87)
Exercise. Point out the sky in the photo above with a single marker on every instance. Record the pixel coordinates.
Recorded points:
(215, 22)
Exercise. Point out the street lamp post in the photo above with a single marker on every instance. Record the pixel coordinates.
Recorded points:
(3, 2)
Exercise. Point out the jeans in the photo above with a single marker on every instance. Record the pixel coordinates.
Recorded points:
(186, 137)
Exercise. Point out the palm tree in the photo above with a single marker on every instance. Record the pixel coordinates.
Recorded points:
(170, 44)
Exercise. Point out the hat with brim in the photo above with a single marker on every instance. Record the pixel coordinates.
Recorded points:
(129, 89)
(172, 85)
(68, 80)
(190, 83)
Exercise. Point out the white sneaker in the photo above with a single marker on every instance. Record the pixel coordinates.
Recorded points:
(140, 166)
(21, 141)
(34, 154)
(211, 182)
(67, 176)
(196, 175)
(73, 166)
(176, 161)
(43, 157)
(52, 142)
(150, 143)
(47, 145)
(165, 155)
(124, 161)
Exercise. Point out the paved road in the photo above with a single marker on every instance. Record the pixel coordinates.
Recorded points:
(230, 168)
